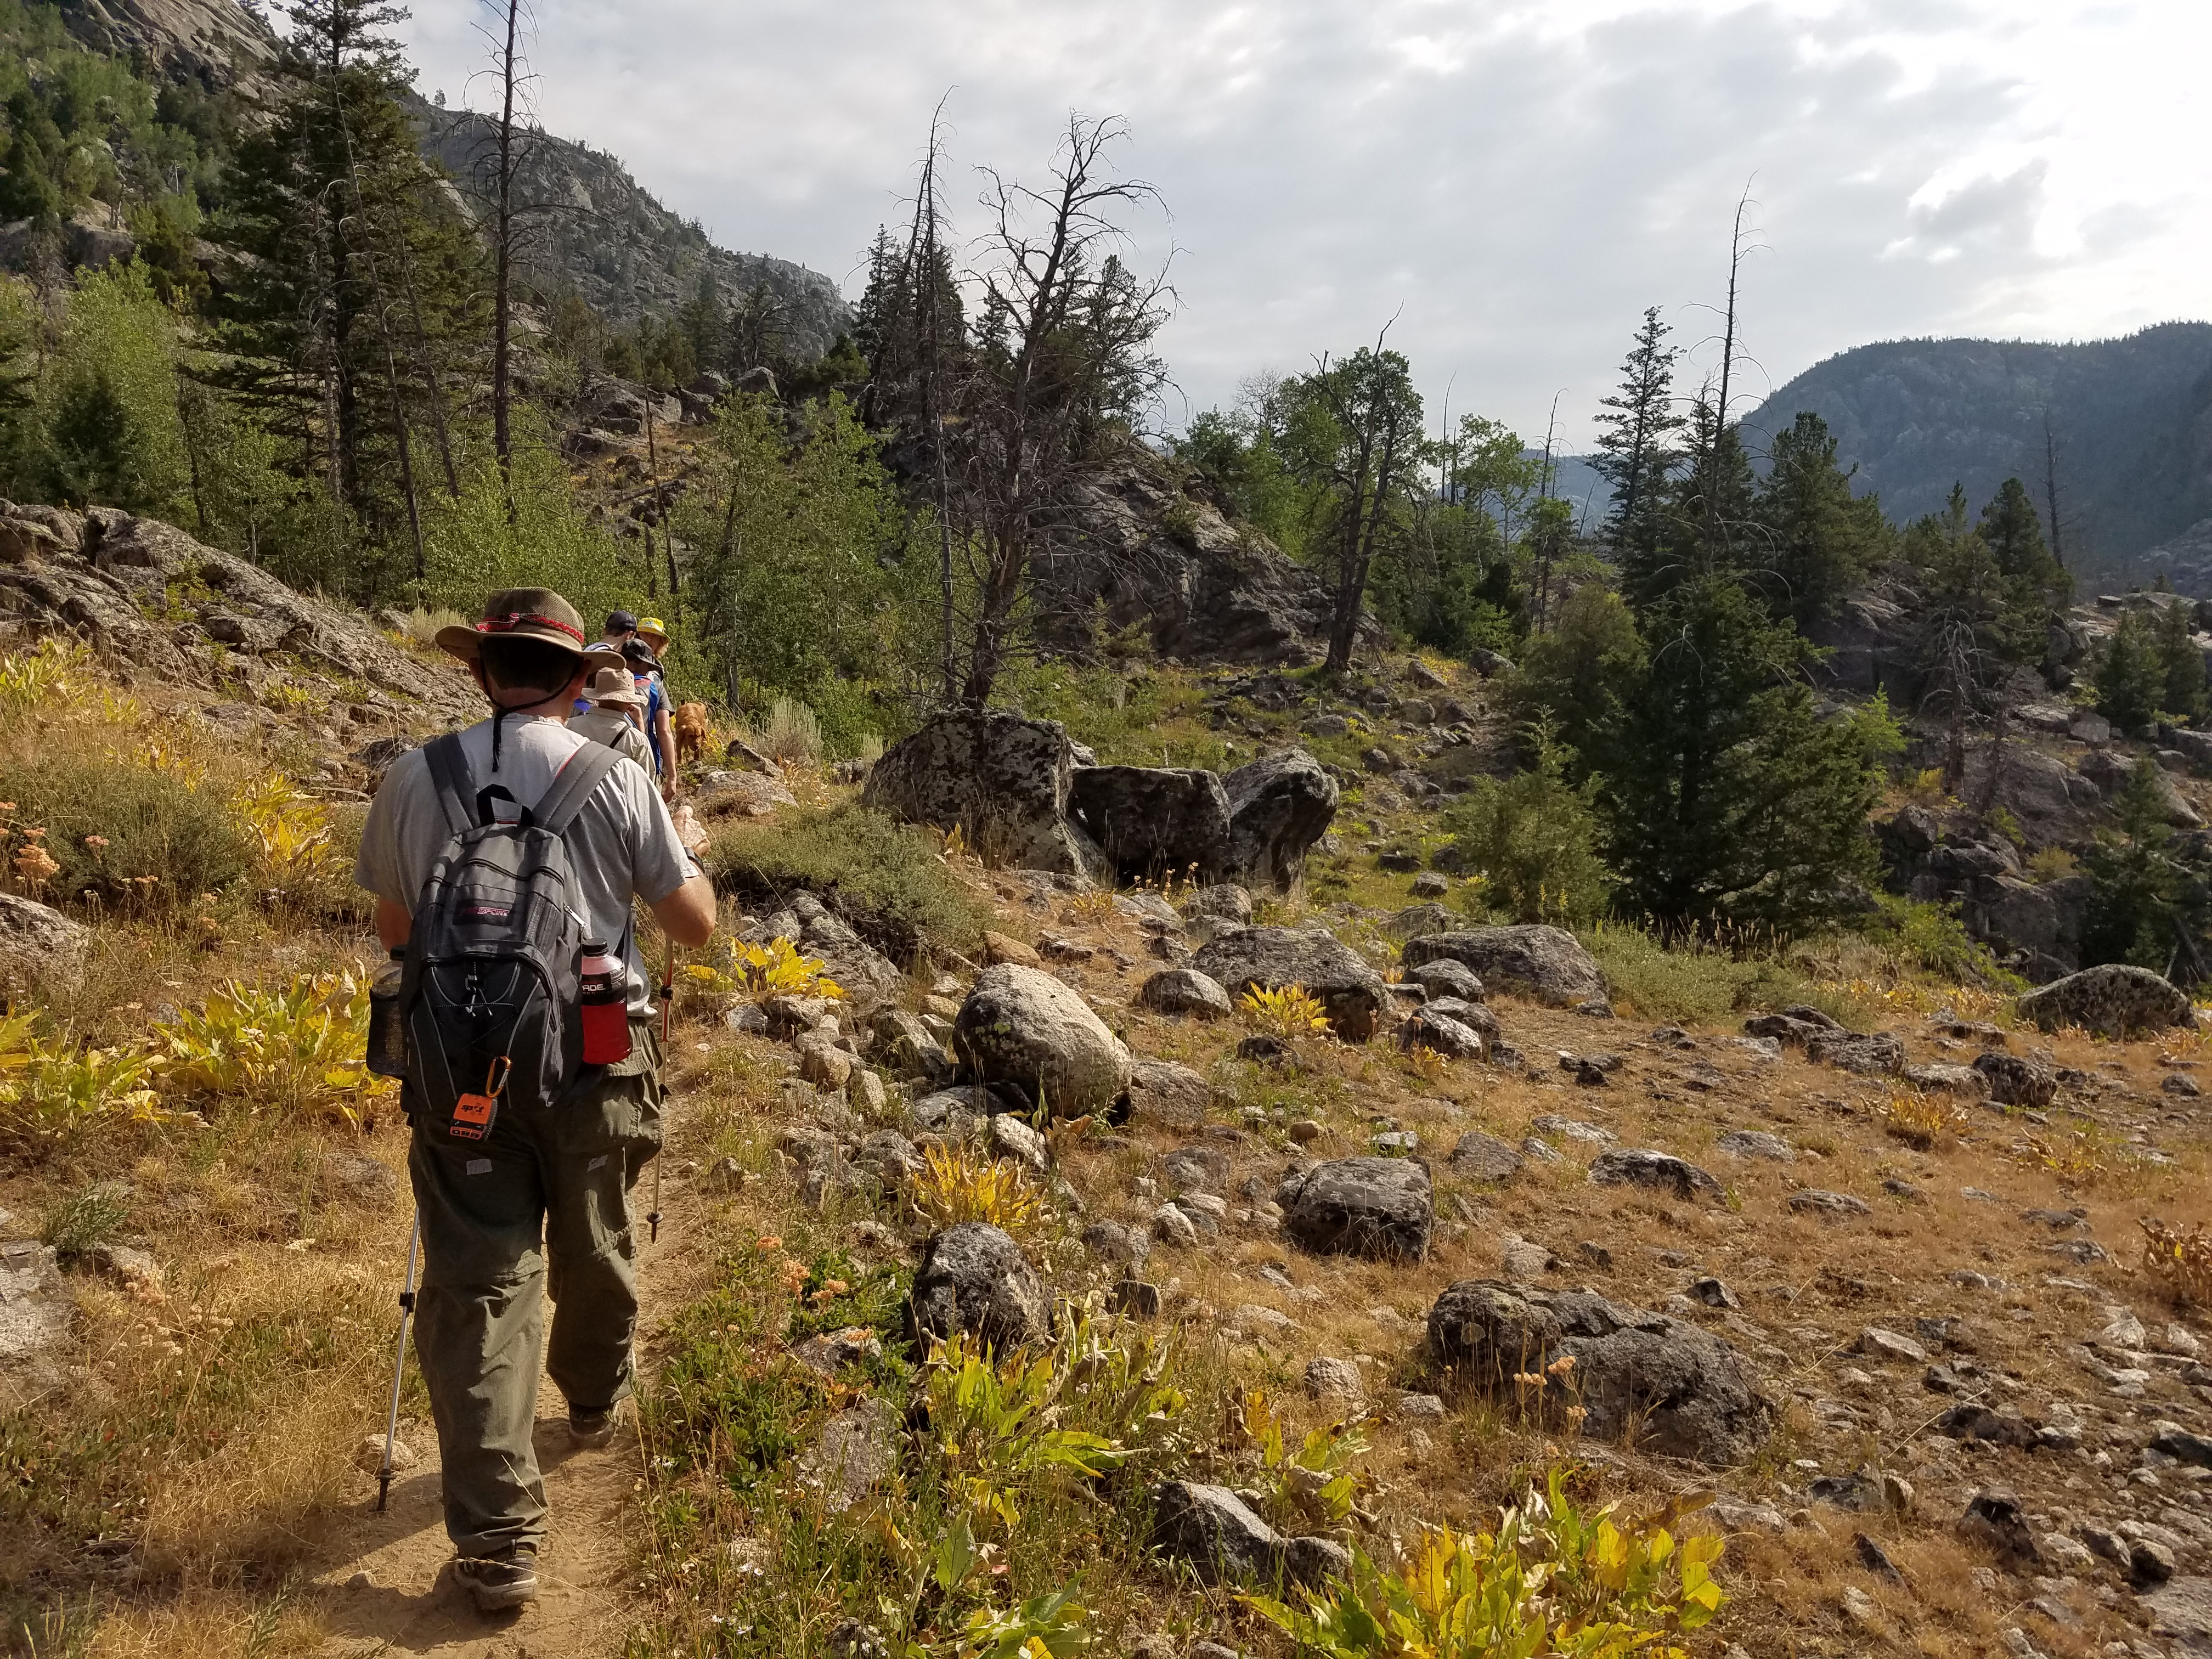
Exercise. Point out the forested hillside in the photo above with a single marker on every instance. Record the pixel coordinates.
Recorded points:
(2122, 429)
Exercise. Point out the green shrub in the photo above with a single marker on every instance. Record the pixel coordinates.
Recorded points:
(1931, 939)
(886, 878)
(1691, 980)
(1533, 839)
(164, 842)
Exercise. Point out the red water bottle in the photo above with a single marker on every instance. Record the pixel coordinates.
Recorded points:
(605, 1011)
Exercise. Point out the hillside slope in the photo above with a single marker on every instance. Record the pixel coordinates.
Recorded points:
(2132, 419)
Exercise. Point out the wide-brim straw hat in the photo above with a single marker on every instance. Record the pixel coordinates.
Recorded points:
(612, 688)
(528, 613)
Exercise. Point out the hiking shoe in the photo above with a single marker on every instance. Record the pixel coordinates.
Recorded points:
(499, 1582)
(591, 1430)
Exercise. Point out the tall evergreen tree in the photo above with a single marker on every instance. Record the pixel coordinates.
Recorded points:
(362, 295)
(1636, 445)
(1730, 799)
(2014, 536)
(1819, 540)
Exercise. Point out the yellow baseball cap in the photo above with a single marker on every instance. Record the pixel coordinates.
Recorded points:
(654, 626)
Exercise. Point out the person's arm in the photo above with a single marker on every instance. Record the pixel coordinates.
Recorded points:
(394, 925)
(687, 916)
(665, 736)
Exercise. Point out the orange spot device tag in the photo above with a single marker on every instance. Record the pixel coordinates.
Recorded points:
(472, 1115)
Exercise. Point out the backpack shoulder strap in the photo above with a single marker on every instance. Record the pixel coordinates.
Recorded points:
(449, 775)
(572, 786)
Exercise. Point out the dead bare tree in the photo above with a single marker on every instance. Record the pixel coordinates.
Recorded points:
(503, 255)
(1062, 353)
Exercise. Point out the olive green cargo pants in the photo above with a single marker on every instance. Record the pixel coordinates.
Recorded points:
(542, 1205)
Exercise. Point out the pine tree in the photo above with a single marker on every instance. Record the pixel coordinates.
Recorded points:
(2130, 680)
(1819, 541)
(1731, 800)
(2149, 901)
(2181, 662)
(1636, 445)
(2014, 536)
(1707, 515)
(363, 295)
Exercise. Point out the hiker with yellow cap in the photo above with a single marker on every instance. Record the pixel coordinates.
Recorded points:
(505, 859)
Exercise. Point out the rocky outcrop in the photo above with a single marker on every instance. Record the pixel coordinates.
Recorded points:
(35, 1311)
(1155, 551)
(1155, 822)
(974, 1278)
(1545, 963)
(868, 978)
(39, 943)
(2111, 1000)
(1020, 1028)
(117, 582)
(1002, 779)
(1682, 1391)
(1278, 805)
(1241, 959)
(1380, 1207)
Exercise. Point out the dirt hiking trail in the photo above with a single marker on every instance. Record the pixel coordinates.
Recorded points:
(387, 1590)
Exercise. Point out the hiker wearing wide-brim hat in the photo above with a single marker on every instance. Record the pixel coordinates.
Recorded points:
(532, 636)
(542, 1188)
(616, 715)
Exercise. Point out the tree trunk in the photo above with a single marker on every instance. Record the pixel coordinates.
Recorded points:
(503, 258)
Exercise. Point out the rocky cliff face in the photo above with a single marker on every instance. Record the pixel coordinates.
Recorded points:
(217, 43)
(593, 230)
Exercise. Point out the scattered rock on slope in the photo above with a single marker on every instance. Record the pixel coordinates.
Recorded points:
(2111, 1000)
(1184, 991)
(39, 943)
(1683, 1391)
(1547, 963)
(1239, 959)
(1381, 1207)
(1020, 1026)
(1213, 1530)
(973, 1277)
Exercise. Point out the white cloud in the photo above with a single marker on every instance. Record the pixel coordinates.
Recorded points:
(1515, 181)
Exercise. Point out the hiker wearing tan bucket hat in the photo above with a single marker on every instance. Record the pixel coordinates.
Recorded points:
(616, 715)
(504, 859)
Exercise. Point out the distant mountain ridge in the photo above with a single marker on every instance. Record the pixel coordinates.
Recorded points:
(2131, 418)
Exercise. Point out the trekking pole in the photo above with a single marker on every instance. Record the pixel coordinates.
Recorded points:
(398, 1366)
(667, 1020)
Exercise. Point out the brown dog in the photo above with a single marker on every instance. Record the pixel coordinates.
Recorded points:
(691, 731)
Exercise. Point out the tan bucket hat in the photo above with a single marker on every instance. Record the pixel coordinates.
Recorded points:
(529, 613)
(612, 688)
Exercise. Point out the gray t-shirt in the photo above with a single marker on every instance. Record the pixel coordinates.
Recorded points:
(621, 845)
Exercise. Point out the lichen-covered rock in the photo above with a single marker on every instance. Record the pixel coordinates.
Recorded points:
(1162, 1091)
(2013, 1081)
(1022, 1027)
(1381, 1207)
(2111, 1000)
(1680, 1391)
(1240, 959)
(1278, 806)
(1439, 1033)
(1003, 780)
(1480, 1156)
(1445, 978)
(1875, 1054)
(973, 1277)
(1547, 963)
(1154, 822)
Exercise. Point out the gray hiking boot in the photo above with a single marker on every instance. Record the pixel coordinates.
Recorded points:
(591, 1430)
(497, 1584)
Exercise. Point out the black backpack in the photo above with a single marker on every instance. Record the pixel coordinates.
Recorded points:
(493, 981)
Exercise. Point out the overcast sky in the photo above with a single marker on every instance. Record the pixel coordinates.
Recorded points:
(1514, 182)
